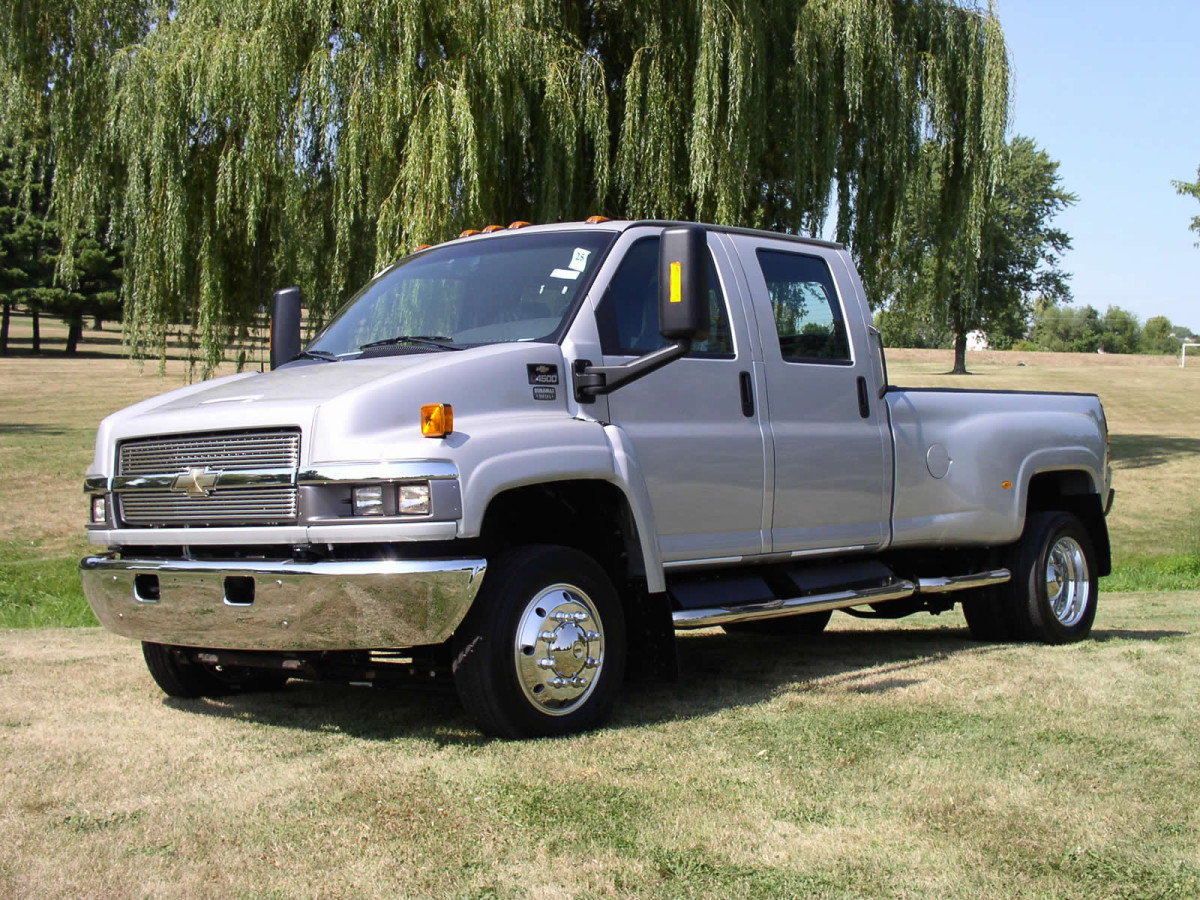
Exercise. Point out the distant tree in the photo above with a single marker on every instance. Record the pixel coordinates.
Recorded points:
(1084, 330)
(1121, 331)
(900, 330)
(30, 248)
(1067, 329)
(17, 240)
(1157, 336)
(1190, 189)
(994, 288)
(97, 290)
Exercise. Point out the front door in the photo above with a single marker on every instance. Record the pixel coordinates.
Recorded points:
(700, 448)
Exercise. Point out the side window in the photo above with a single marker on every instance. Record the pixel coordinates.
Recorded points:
(628, 314)
(808, 317)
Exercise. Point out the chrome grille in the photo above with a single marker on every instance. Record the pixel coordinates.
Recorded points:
(223, 452)
(246, 450)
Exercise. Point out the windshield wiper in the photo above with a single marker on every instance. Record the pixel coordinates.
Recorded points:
(317, 354)
(435, 340)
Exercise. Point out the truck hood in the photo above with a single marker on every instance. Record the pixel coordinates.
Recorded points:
(306, 385)
(368, 409)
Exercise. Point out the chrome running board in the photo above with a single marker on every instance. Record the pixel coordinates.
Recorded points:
(776, 609)
(962, 582)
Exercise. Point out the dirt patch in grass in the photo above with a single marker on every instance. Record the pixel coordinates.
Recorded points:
(881, 759)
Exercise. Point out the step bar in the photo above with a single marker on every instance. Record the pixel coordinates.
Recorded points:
(777, 609)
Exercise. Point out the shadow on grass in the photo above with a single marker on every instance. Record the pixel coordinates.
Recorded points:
(1141, 451)
(717, 672)
(52, 352)
(14, 428)
(1118, 634)
(431, 713)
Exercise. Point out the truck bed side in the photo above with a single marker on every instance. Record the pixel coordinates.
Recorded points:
(965, 459)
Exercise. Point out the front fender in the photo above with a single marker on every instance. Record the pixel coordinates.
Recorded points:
(524, 451)
(631, 481)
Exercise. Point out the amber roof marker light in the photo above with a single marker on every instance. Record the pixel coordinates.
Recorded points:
(437, 420)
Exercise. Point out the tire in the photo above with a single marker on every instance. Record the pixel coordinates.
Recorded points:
(1054, 590)
(181, 677)
(985, 616)
(787, 626)
(512, 678)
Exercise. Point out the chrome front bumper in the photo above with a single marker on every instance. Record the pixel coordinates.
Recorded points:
(283, 605)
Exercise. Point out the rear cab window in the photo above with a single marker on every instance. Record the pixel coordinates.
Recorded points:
(804, 305)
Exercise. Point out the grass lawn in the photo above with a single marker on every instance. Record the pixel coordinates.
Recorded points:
(878, 760)
(893, 759)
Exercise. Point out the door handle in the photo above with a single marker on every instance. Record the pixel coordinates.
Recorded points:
(747, 395)
(864, 406)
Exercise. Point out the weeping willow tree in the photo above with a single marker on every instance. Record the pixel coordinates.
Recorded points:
(233, 147)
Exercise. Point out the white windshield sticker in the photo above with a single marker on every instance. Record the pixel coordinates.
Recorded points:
(579, 259)
(569, 274)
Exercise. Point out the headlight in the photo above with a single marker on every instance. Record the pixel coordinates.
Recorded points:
(414, 500)
(368, 500)
(99, 509)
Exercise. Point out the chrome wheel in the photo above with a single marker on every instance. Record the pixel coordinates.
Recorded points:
(559, 649)
(1068, 584)
(542, 651)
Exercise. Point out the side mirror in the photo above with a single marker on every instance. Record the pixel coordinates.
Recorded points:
(682, 314)
(683, 284)
(285, 326)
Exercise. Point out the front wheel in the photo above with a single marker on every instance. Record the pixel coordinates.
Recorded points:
(542, 651)
(181, 676)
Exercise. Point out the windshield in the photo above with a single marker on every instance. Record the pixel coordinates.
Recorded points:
(509, 288)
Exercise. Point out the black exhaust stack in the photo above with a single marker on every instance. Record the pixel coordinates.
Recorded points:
(285, 326)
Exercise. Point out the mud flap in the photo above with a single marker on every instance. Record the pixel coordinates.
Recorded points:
(651, 636)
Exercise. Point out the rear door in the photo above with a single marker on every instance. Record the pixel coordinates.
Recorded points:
(827, 431)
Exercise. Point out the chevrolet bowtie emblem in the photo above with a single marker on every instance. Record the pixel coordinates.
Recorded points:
(197, 482)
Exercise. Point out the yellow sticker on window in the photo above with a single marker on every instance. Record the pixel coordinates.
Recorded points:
(676, 282)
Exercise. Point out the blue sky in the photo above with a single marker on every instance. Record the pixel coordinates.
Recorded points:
(1112, 91)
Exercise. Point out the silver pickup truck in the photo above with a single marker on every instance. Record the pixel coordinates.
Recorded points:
(523, 459)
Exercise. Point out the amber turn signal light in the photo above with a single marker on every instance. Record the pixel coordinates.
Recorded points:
(437, 419)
